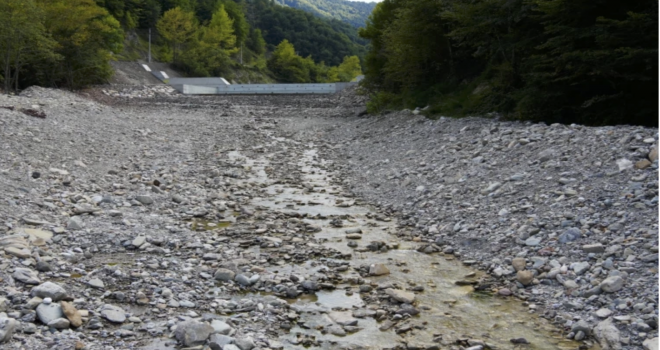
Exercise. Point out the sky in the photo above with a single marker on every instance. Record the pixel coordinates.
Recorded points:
(367, 0)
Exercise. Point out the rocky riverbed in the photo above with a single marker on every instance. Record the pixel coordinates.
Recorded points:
(136, 218)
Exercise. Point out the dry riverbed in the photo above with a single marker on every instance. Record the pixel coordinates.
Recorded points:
(136, 218)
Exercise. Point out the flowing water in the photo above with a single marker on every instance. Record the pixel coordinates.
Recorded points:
(448, 311)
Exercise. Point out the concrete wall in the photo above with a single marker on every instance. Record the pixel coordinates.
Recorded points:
(261, 89)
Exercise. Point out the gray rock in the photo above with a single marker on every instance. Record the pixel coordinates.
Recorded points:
(533, 241)
(378, 270)
(607, 335)
(96, 283)
(491, 188)
(650, 344)
(221, 327)
(401, 296)
(49, 290)
(612, 284)
(224, 275)
(144, 199)
(7, 328)
(581, 267)
(191, 333)
(230, 347)
(59, 323)
(242, 280)
(246, 343)
(217, 341)
(49, 312)
(603, 313)
(343, 318)
(26, 276)
(75, 223)
(581, 326)
(593, 248)
(186, 303)
(113, 313)
(139, 241)
(570, 235)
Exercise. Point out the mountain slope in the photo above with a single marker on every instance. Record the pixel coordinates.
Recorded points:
(327, 40)
(354, 13)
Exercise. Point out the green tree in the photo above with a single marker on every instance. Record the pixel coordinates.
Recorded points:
(256, 41)
(220, 31)
(236, 12)
(287, 65)
(597, 63)
(23, 40)
(349, 69)
(177, 26)
(87, 37)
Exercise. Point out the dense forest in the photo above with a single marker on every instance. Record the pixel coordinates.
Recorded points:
(69, 43)
(353, 12)
(584, 61)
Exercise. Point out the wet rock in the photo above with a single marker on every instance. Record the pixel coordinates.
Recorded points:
(344, 318)
(191, 333)
(7, 328)
(113, 313)
(71, 313)
(378, 270)
(612, 284)
(26, 276)
(607, 335)
(401, 296)
(49, 290)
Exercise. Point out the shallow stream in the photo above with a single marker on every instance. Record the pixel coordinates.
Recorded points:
(448, 311)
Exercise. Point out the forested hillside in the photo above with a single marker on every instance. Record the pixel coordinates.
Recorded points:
(584, 61)
(69, 43)
(353, 12)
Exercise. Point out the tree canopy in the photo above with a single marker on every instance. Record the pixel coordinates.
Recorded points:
(592, 62)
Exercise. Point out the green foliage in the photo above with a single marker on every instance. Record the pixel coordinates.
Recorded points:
(325, 40)
(24, 41)
(354, 13)
(87, 37)
(382, 101)
(208, 54)
(177, 26)
(349, 69)
(591, 62)
(256, 41)
(289, 67)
